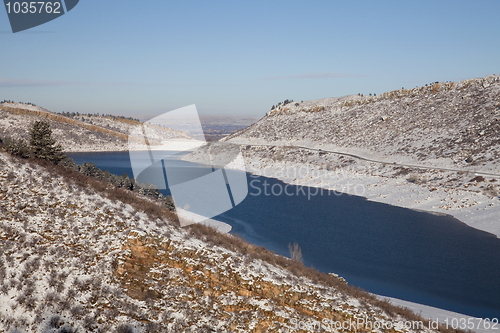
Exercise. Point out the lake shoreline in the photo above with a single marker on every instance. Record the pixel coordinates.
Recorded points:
(472, 208)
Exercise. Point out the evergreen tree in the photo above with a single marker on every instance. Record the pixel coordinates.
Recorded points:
(42, 143)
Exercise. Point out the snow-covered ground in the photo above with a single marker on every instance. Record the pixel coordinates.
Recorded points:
(187, 218)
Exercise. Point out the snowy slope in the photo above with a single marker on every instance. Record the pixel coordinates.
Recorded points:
(72, 258)
(446, 124)
(82, 133)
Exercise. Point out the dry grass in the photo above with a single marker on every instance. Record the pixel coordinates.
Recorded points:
(417, 179)
(125, 121)
(316, 108)
(466, 84)
(435, 88)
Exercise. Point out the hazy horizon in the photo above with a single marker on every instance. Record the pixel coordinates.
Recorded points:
(136, 58)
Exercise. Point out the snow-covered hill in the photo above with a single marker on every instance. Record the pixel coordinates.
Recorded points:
(445, 124)
(83, 133)
(77, 255)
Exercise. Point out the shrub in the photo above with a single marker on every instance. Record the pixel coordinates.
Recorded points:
(55, 321)
(491, 190)
(17, 147)
(416, 179)
(477, 179)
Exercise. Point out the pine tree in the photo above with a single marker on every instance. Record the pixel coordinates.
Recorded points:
(42, 143)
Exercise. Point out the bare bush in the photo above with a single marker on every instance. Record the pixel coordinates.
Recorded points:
(417, 179)
(491, 191)
(295, 252)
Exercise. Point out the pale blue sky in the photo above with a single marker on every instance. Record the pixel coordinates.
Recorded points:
(143, 58)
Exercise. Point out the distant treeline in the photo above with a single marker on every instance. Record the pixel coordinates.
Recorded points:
(285, 102)
(9, 101)
(78, 114)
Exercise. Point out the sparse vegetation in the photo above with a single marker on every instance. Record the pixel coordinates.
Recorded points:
(417, 179)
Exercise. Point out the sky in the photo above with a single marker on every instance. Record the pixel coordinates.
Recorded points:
(144, 58)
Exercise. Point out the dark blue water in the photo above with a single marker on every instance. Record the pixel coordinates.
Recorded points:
(387, 250)
(117, 163)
